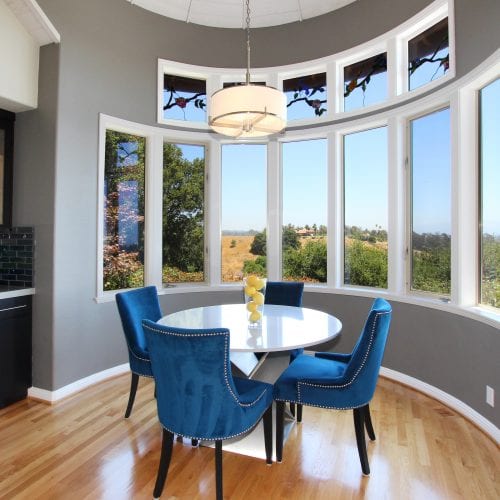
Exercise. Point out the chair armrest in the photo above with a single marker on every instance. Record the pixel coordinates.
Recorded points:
(250, 391)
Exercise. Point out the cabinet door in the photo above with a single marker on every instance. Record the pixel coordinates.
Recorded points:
(6, 165)
(15, 349)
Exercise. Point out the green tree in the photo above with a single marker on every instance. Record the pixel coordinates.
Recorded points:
(259, 244)
(290, 238)
(307, 263)
(290, 241)
(365, 265)
(490, 282)
(123, 255)
(183, 210)
(257, 266)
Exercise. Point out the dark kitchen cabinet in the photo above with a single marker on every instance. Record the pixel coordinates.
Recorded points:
(15, 349)
(6, 165)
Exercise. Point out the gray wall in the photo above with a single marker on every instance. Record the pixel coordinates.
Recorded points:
(107, 62)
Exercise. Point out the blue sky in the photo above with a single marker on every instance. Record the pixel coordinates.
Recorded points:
(305, 182)
(305, 166)
(244, 187)
(365, 174)
(431, 173)
(490, 156)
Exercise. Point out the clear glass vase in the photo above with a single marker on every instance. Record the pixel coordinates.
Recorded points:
(254, 288)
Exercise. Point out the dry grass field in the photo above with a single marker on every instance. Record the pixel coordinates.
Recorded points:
(235, 250)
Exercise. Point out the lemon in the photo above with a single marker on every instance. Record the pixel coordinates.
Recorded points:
(258, 298)
(250, 290)
(252, 280)
(251, 306)
(260, 284)
(255, 316)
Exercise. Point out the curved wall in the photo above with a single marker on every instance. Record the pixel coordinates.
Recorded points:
(107, 63)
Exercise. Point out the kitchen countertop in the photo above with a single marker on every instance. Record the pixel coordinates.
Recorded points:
(6, 292)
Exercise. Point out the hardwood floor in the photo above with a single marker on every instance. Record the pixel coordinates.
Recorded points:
(83, 448)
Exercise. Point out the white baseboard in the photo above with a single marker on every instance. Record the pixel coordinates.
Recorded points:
(74, 387)
(476, 418)
(484, 424)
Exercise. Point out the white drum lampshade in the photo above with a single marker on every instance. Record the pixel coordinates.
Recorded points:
(248, 111)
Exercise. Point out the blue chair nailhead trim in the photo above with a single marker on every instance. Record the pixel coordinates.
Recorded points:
(340, 386)
(226, 363)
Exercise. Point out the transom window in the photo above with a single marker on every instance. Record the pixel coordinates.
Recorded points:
(365, 82)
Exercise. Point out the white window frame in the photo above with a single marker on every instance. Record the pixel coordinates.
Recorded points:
(278, 228)
(370, 51)
(364, 126)
(425, 19)
(402, 105)
(437, 106)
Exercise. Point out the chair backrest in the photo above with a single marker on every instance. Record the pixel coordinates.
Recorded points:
(284, 293)
(134, 306)
(366, 357)
(195, 391)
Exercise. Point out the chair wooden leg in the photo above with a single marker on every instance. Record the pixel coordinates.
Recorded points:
(268, 434)
(292, 409)
(299, 413)
(280, 419)
(194, 442)
(166, 455)
(368, 423)
(134, 381)
(359, 427)
(218, 470)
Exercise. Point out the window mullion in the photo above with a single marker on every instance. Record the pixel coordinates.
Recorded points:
(153, 211)
(335, 210)
(213, 207)
(396, 231)
(464, 240)
(274, 216)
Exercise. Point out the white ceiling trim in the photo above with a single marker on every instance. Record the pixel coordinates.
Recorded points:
(34, 20)
(228, 13)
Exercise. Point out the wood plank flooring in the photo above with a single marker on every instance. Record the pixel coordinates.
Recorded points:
(83, 448)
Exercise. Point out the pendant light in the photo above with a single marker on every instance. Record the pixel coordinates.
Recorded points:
(245, 111)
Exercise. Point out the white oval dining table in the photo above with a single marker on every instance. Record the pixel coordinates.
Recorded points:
(282, 328)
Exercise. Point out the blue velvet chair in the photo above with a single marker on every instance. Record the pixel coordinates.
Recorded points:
(197, 396)
(338, 381)
(134, 306)
(285, 293)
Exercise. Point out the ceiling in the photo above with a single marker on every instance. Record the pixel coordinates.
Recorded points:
(232, 13)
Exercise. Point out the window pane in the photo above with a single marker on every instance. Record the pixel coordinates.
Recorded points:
(365, 82)
(184, 98)
(431, 203)
(304, 210)
(490, 194)
(365, 208)
(183, 213)
(123, 249)
(306, 96)
(244, 209)
(428, 55)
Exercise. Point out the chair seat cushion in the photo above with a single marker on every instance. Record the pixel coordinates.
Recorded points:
(306, 368)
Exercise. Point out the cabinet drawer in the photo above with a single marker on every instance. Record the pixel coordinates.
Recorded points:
(15, 349)
(15, 307)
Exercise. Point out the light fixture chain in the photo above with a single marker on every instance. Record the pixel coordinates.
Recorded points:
(248, 41)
